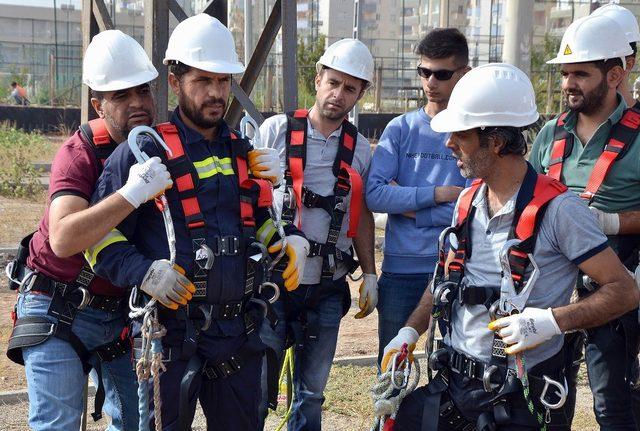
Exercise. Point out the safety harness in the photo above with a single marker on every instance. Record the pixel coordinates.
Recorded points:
(622, 135)
(297, 194)
(253, 192)
(67, 298)
(536, 192)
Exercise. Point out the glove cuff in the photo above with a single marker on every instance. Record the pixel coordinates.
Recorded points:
(410, 333)
(552, 319)
(126, 192)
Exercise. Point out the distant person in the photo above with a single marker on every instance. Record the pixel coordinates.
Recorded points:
(19, 94)
(414, 178)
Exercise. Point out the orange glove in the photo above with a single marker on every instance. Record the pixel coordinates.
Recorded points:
(297, 251)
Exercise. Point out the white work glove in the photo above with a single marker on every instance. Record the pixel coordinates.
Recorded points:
(265, 163)
(146, 181)
(368, 295)
(297, 251)
(406, 335)
(167, 284)
(526, 330)
(609, 222)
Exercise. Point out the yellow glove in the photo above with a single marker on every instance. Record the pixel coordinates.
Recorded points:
(297, 251)
(265, 163)
(406, 335)
(368, 295)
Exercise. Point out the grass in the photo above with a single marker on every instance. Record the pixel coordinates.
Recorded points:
(18, 150)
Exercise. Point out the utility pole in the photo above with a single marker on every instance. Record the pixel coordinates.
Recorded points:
(55, 41)
(248, 30)
(518, 34)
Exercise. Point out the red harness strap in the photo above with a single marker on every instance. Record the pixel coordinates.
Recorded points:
(622, 135)
(456, 266)
(296, 159)
(96, 133)
(558, 150)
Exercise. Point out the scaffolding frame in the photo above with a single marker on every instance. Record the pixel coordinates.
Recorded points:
(283, 16)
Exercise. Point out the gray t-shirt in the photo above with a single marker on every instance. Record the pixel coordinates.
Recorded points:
(318, 177)
(569, 234)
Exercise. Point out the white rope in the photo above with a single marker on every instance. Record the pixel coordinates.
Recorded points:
(386, 398)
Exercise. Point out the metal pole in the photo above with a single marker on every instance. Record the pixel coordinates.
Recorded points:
(355, 112)
(518, 34)
(248, 30)
(289, 51)
(156, 37)
(55, 38)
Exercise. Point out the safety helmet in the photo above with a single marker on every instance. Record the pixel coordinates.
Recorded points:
(592, 38)
(203, 42)
(115, 61)
(491, 95)
(624, 17)
(349, 56)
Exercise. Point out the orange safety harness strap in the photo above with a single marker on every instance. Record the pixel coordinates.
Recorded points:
(95, 132)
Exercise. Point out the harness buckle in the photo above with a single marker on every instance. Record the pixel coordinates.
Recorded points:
(561, 393)
(289, 198)
(340, 204)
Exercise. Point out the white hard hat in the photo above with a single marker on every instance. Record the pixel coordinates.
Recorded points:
(349, 56)
(203, 42)
(115, 61)
(624, 17)
(491, 95)
(592, 38)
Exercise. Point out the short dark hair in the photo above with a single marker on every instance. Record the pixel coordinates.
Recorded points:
(179, 69)
(14, 83)
(606, 65)
(444, 43)
(514, 142)
(97, 94)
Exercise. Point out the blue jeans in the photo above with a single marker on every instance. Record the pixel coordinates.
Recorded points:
(398, 296)
(312, 361)
(610, 355)
(55, 378)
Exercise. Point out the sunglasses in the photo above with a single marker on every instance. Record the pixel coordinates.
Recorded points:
(441, 75)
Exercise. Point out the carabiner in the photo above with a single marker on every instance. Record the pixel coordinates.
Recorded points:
(276, 291)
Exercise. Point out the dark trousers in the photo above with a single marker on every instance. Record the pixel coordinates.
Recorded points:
(229, 403)
(476, 405)
(611, 355)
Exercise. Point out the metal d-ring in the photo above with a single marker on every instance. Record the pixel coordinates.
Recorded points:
(276, 291)
(562, 393)
(486, 378)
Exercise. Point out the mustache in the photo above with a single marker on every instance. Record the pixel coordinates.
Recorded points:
(215, 101)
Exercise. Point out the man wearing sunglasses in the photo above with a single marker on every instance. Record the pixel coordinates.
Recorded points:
(415, 180)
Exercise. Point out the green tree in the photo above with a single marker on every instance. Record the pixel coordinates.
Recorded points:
(541, 73)
(308, 54)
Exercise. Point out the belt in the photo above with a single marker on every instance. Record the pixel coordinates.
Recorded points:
(76, 295)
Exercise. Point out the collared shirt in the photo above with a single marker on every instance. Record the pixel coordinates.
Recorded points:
(620, 190)
(568, 235)
(318, 177)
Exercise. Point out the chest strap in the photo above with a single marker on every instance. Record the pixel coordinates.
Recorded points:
(347, 180)
(622, 135)
(252, 192)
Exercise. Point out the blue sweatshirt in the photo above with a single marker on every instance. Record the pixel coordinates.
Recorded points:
(416, 158)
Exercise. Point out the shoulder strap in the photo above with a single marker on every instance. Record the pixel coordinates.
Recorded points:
(463, 232)
(95, 132)
(561, 149)
(296, 152)
(621, 137)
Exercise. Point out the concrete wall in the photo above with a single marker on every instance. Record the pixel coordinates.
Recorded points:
(47, 119)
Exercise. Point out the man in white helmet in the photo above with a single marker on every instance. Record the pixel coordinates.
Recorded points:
(212, 350)
(593, 148)
(503, 291)
(69, 320)
(629, 24)
(325, 160)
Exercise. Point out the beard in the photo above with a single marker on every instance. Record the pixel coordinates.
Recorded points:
(126, 127)
(194, 113)
(477, 167)
(333, 114)
(589, 102)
